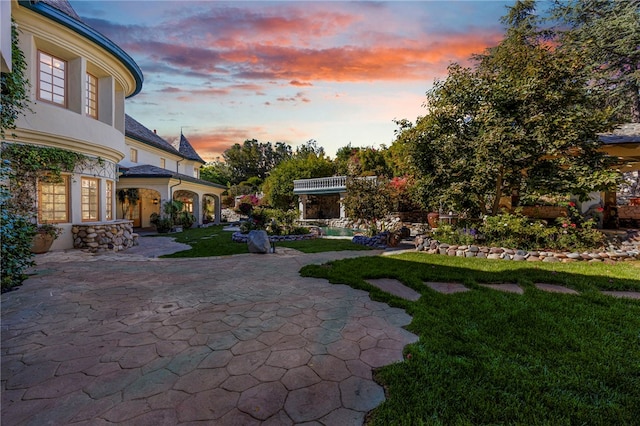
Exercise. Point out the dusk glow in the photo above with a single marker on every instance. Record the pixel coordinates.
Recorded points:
(335, 72)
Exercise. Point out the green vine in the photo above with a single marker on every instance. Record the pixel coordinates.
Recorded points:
(27, 159)
(15, 87)
(29, 163)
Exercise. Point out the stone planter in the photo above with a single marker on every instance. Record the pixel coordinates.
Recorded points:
(41, 243)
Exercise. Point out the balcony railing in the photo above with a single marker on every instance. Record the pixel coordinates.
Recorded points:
(325, 185)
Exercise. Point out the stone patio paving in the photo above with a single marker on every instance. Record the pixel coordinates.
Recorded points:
(128, 339)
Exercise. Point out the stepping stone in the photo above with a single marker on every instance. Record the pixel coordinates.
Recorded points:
(506, 287)
(447, 288)
(553, 288)
(623, 294)
(395, 287)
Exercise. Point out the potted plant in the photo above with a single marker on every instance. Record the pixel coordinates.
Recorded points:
(163, 224)
(46, 234)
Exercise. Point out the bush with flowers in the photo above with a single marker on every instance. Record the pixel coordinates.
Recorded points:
(514, 230)
(246, 204)
(450, 234)
(575, 231)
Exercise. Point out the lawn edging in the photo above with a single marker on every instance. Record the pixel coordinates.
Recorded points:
(629, 251)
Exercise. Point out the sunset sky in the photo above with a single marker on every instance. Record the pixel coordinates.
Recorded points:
(336, 72)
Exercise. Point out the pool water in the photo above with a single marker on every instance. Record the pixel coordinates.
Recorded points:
(337, 232)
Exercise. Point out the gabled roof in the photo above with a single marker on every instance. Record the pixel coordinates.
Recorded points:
(187, 150)
(137, 131)
(148, 171)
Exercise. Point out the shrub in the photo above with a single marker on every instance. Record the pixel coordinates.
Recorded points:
(172, 215)
(185, 219)
(162, 224)
(246, 204)
(575, 232)
(515, 230)
(568, 233)
(16, 235)
(449, 234)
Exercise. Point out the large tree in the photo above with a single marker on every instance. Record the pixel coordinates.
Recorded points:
(366, 161)
(216, 172)
(368, 198)
(606, 33)
(254, 159)
(306, 164)
(520, 122)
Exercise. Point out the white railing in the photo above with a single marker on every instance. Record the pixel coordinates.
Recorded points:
(329, 184)
(332, 183)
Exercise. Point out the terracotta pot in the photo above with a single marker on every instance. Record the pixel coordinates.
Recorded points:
(433, 219)
(41, 243)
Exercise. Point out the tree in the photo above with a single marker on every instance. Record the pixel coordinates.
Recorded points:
(606, 33)
(278, 187)
(311, 147)
(368, 161)
(367, 198)
(254, 158)
(216, 172)
(520, 122)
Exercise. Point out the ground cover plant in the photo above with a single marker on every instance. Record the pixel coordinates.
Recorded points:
(213, 241)
(488, 357)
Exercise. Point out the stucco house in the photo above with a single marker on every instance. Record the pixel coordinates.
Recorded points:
(161, 171)
(79, 82)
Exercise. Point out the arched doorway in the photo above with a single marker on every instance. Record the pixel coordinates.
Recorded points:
(209, 203)
(190, 202)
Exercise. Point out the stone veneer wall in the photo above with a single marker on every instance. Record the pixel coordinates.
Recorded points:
(111, 236)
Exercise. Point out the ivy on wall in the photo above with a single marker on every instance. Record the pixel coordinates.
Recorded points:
(30, 163)
(15, 87)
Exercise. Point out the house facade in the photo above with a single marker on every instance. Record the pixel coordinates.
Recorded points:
(79, 81)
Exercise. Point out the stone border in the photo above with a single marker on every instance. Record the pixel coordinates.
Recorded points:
(423, 243)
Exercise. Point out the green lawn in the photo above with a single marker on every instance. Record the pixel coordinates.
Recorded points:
(487, 357)
(213, 241)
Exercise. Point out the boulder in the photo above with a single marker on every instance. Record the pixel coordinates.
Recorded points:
(258, 242)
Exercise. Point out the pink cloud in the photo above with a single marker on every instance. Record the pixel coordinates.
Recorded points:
(299, 83)
(296, 44)
(213, 142)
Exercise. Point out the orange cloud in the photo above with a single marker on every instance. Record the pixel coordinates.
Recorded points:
(298, 45)
(299, 83)
(217, 140)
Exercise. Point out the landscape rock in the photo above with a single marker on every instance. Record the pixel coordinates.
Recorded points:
(258, 242)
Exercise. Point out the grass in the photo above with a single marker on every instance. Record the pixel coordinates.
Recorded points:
(213, 241)
(488, 357)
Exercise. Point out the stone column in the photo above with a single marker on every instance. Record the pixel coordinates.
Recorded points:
(302, 206)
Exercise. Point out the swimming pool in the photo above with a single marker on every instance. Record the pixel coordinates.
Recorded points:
(337, 232)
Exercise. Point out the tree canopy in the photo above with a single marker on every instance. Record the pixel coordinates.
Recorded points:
(306, 164)
(606, 33)
(520, 122)
(254, 158)
(216, 172)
